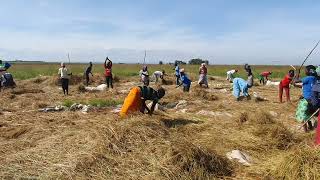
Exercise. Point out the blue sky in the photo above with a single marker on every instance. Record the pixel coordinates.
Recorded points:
(223, 31)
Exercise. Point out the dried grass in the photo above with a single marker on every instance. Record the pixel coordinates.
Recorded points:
(274, 133)
(301, 163)
(194, 162)
(204, 94)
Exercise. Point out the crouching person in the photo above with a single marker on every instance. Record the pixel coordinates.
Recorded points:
(137, 97)
(185, 81)
(6, 81)
(240, 86)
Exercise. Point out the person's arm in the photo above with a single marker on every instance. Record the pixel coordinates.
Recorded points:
(145, 107)
(69, 73)
(91, 71)
(154, 103)
(105, 64)
(59, 73)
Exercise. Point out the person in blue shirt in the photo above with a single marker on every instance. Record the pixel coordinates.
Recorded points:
(185, 81)
(304, 109)
(177, 73)
(240, 86)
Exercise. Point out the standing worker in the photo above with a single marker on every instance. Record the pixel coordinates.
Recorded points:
(304, 110)
(87, 72)
(64, 78)
(203, 71)
(230, 75)
(108, 72)
(144, 74)
(264, 76)
(177, 72)
(285, 85)
(247, 68)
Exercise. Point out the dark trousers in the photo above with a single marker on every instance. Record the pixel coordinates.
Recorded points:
(87, 79)
(65, 85)
(109, 80)
(186, 88)
(177, 79)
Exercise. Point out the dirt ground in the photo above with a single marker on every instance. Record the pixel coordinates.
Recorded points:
(189, 142)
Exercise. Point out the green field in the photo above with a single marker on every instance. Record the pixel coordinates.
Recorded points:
(26, 71)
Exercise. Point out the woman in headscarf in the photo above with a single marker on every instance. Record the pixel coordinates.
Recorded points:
(203, 75)
(304, 109)
(144, 74)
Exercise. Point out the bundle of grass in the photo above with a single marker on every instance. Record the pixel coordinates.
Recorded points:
(204, 94)
(243, 118)
(167, 82)
(74, 80)
(116, 78)
(131, 136)
(274, 133)
(302, 163)
(39, 79)
(81, 88)
(20, 91)
(194, 162)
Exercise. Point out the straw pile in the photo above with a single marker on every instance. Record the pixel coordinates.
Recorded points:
(274, 133)
(302, 163)
(194, 162)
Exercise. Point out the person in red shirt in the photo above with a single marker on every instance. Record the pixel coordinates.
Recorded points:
(263, 76)
(108, 72)
(285, 85)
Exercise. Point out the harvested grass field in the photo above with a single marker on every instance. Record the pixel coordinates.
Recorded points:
(187, 142)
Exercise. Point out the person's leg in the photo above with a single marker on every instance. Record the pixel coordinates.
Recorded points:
(108, 81)
(111, 82)
(177, 80)
(287, 89)
(87, 79)
(280, 92)
(64, 86)
(67, 86)
(317, 139)
(236, 89)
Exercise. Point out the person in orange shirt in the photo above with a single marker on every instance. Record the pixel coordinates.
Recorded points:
(137, 97)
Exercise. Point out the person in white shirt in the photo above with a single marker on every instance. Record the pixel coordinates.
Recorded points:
(158, 74)
(64, 78)
(144, 74)
(230, 74)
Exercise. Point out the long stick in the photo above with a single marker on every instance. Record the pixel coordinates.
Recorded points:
(69, 58)
(309, 55)
(298, 74)
(309, 118)
(145, 55)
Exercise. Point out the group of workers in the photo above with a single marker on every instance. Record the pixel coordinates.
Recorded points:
(308, 106)
(137, 97)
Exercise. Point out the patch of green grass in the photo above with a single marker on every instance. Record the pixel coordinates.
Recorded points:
(26, 71)
(68, 103)
(104, 102)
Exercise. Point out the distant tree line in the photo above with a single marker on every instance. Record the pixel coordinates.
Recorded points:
(196, 61)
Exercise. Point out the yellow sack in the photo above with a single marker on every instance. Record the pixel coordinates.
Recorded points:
(132, 103)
